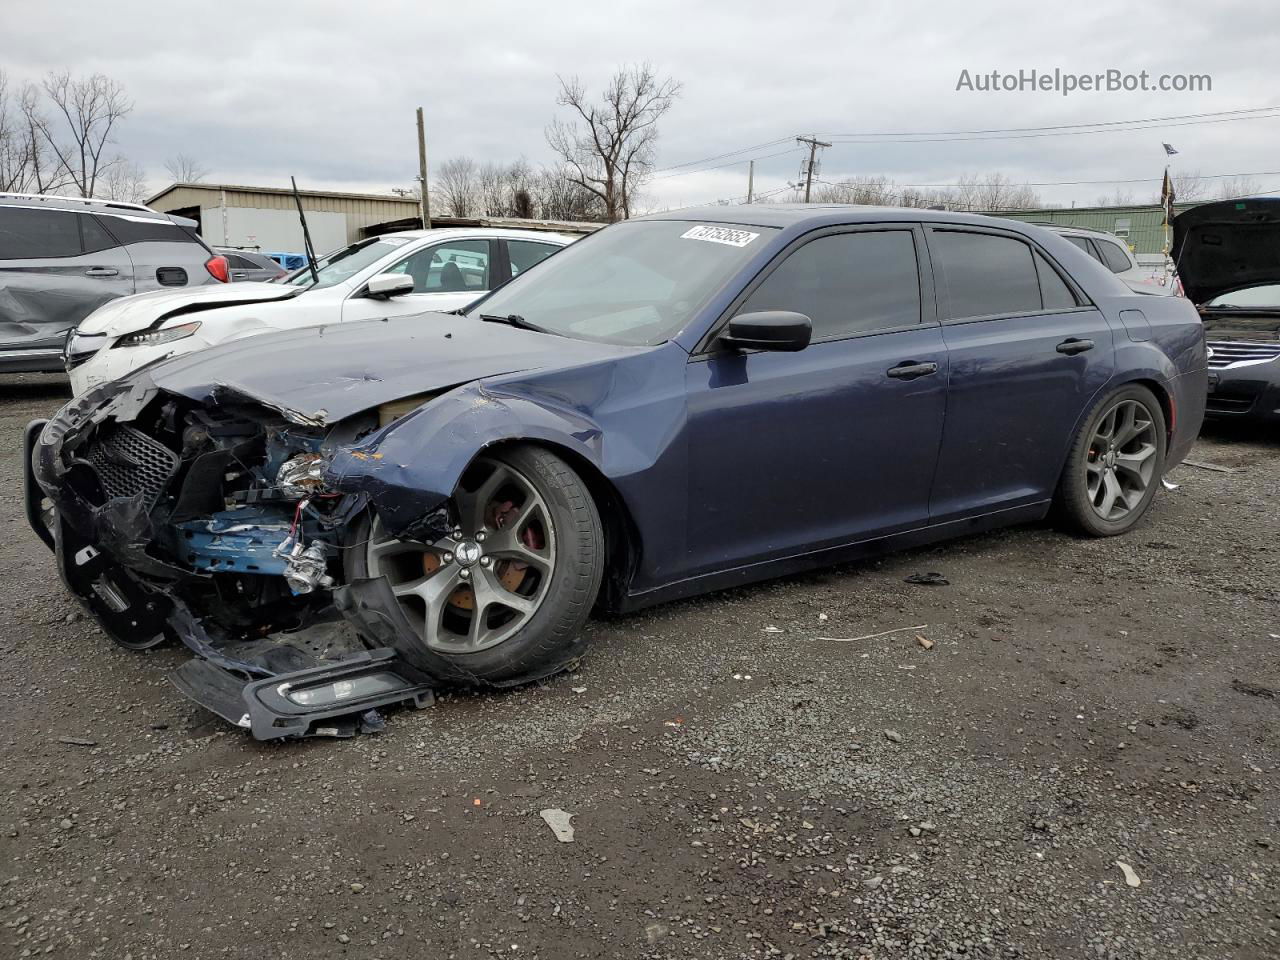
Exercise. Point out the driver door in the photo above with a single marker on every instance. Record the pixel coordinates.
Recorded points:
(791, 453)
(446, 276)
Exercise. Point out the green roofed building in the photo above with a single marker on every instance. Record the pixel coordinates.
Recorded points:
(1140, 226)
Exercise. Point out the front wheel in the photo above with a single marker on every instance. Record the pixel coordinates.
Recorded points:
(1115, 464)
(502, 598)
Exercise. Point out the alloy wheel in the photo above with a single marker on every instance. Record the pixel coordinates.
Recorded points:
(480, 584)
(1121, 461)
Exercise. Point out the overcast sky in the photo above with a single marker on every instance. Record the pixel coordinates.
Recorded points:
(326, 90)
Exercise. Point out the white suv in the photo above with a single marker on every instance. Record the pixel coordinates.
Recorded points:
(418, 271)
(1112, 252)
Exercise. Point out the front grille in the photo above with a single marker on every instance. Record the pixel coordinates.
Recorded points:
(129, 462)
(1229, 353)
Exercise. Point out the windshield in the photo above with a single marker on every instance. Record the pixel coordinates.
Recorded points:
(635, 283)
(346, 263)
(1268, 296)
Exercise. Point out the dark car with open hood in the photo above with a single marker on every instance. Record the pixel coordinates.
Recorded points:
(1228, 258)
(342, 517)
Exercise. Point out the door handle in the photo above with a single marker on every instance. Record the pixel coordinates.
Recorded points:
(910, 371)
(102, 272)
(238, 276)
(1071, 346)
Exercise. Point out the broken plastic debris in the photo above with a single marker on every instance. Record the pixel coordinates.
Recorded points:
(928, 579)
(579, 689)
(558, 821)
(872, 636)
(924, 641)
(772, 629)
(1130, 877)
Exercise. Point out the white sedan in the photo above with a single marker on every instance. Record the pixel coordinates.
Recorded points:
(401, 273)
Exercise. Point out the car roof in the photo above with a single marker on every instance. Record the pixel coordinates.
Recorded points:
(49, 201)
(454, 233)
(785, 215)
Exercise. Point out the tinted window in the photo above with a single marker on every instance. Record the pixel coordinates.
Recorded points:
(525, 253)
(27, 234)
(847, 283)
(987, 274)
(95, 238)
(1113, 256)
(1084, 245)
(1053, 289)
(456, 266)
(136, 231)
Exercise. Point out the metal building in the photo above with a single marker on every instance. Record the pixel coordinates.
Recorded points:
(266, 218)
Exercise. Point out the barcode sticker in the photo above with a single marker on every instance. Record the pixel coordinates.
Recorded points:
(726, 235)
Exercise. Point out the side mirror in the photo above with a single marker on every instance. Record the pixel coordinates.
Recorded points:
(386, 285)
(768, 330)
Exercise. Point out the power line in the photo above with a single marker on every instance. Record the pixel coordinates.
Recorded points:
(730, 163)
(1061, 126)
(1060, 133)
(721, 156)
(993, 133)
(1087, 183)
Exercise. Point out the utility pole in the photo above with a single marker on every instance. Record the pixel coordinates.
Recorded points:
(424, 203)
(814, 144)
(751, 179)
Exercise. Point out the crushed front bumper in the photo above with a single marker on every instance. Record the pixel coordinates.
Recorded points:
(322, 680)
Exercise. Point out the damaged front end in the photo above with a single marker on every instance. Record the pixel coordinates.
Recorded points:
(217, 524)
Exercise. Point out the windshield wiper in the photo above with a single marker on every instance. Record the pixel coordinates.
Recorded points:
(511, 319)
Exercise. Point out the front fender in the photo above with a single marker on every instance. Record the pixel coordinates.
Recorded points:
(409, 469)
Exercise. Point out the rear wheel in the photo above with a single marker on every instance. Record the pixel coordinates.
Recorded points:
(1115, 464)
(502, 598)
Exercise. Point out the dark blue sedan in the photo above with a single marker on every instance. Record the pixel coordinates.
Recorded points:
(673, 405)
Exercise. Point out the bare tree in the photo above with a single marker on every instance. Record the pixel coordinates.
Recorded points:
(993, 191)
(84, 112)
(455, 187)
(1187, 185)
(556, 196)
(1121, 198)
(608, 146)
(185, 168)
(123, 180)
(877, 190)
(1233, 187)
(17, 169)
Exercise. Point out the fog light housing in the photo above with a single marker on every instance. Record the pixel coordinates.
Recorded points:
(339, 691)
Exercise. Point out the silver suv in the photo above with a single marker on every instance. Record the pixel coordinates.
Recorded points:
(63, 257)
(1114, 254)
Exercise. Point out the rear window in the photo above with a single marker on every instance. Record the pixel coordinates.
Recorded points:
(1113, 256)
(95, 237)
(987, 275)
(140, 230)
(27, 234)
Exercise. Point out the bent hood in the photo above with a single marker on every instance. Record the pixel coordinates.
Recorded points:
(142, 310)
(1226, 246)
(319, 375)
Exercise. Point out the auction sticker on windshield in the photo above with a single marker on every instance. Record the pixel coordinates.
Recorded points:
(726, 235)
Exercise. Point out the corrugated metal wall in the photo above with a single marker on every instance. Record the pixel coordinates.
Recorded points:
(1144, 226)
(360, 210)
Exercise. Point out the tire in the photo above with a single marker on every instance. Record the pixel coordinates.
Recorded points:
(1083, 490)
(550, 637)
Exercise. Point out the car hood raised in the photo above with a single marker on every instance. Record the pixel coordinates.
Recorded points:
(1226, 246)
(319, 375)
(142, 310)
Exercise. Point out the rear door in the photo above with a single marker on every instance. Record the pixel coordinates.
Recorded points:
(793, 452)
(56, 267)
(523, 254)
(1028, 354)
(447, 275)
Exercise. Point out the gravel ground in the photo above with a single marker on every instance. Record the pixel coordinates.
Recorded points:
(740, 786)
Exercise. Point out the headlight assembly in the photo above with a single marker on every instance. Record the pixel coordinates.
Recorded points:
(154, 338)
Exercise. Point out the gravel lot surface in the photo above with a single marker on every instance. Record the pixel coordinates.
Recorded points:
(739, 786)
